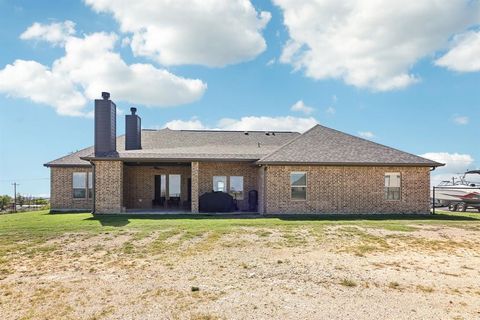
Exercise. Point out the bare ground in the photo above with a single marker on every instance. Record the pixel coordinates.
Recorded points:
(328, 272)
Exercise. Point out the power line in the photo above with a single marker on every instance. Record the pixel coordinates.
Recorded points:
(26, 179)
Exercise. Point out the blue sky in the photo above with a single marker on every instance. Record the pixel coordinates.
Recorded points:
(413, 87)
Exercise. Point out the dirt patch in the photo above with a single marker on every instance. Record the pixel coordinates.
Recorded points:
(248, 273)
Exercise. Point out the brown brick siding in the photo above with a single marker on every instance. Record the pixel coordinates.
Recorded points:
(248, 170)
(195, 194)
(61, 190)
(139, 184)
(108, 186)
(347, 189)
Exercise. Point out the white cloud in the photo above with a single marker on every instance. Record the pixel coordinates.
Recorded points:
(330, 110)
(90, 65)
(212, 33)
(250, 123)
(300, 106)
(192, 124)
(32, 80)
(369, 44)
(366, 134)
(56, 33)
(464, 56)
(271, 62)
(455, 164)
(461, 120)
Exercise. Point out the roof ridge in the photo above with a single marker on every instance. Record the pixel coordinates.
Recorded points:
(289, 142)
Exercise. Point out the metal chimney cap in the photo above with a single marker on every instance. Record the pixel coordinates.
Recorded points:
(106, 95)
(133, 110)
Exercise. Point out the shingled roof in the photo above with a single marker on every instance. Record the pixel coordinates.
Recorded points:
(167, 144)
(322, 145)
(319, 145)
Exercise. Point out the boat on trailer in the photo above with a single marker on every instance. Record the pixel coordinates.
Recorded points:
(459, 194)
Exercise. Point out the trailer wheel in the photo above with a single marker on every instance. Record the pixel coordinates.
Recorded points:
(452, 207)
(462, 207)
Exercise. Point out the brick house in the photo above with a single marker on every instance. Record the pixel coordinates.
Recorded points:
(319, 171)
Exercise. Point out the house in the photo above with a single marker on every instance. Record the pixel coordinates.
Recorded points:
(320, 171)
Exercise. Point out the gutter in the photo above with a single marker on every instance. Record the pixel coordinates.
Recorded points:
(357, 164)
(94, 175)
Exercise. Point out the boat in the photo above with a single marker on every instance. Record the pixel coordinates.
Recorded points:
(459, 193)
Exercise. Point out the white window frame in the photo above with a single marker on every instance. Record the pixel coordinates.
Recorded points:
(297, 186)
(236, 194)
(217, 179)
(387, 188)
(85, 187)
(170, 195)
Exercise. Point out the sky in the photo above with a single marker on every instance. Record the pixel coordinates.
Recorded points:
(401, 73)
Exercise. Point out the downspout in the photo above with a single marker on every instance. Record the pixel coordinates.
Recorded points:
(94, 186)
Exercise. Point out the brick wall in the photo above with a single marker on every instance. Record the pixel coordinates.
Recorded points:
(249, 172)
(347, 189)
(61, 190)
(139, 184)
(108, 186)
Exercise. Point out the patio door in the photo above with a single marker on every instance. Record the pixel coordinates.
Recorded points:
(160, 190)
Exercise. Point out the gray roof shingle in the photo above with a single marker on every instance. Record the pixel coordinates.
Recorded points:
(167, 144)
(319, 145)
(322, 145)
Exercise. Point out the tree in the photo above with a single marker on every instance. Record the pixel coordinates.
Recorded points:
(5, 200)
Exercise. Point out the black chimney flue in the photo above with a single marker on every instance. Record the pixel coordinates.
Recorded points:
(105, 126)
(133, 131)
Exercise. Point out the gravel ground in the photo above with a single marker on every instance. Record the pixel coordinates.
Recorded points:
(336, 272)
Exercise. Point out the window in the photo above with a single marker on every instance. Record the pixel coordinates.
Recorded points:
(236, 187)
(174, 185)
(90, 184)
(392, 186)
(79, 185)
(298, 185)
(220, 183)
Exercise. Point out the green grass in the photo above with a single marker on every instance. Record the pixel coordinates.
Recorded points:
(27, 232)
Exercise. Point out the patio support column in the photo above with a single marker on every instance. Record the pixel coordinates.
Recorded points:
(261, 190)
(195, 186)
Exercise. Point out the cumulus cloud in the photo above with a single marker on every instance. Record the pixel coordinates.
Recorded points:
(192, 124)
(300, 106)
(251, 123)
(90, 65)
(464, 56)
(455, 164)
(32, 80)
(56, 33)
(366, 134)
(370, 44)
(211, 33)
(461, 120)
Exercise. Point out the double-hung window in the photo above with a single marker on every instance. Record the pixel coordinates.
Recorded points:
(236, 187)
(220, 183)
(393, 186)
(298, 185)
(80, 185)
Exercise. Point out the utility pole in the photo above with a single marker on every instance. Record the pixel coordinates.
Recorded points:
(15, 196)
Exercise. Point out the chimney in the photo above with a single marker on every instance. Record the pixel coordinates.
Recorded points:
(133, 131)
(105, 126)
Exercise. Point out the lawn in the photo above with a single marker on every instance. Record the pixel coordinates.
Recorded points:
(60, 266)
